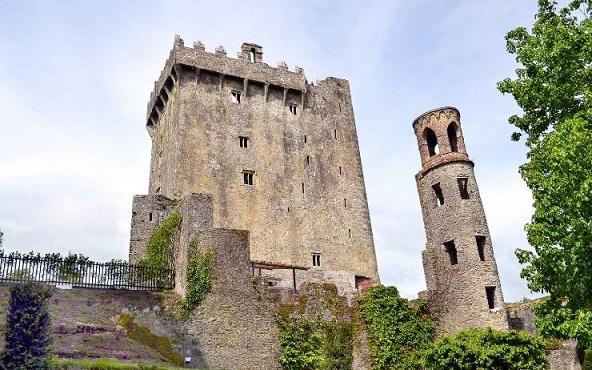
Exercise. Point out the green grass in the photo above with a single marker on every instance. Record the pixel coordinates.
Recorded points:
(56, 363)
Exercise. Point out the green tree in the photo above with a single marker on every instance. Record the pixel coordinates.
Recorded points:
(553, 86)
(28, 325)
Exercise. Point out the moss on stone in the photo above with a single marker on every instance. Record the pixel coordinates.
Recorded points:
(143, 335)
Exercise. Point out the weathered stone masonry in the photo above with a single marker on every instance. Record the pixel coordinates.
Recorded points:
(278, 155)
(463, 286)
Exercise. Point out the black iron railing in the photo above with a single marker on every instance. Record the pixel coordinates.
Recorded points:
(85, 274)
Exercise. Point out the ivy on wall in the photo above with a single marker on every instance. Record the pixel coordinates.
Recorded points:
(159, 249)
(199, 276)
(397, 331)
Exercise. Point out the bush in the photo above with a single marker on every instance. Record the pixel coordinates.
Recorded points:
(587, 360)
(199, 276)
(397, 332)
(301, 346)
(28, 328)
(159, 249)
(484, 349)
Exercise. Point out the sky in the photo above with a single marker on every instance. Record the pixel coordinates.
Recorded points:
(75, 77)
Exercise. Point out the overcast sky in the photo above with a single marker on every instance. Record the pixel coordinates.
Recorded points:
(75, 77)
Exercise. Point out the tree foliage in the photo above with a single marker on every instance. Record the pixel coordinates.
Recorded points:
(485, 349)
(553, 86)
(397, 331)
(28, 328)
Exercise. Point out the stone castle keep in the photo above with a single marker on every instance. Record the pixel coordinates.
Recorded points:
(265, 167)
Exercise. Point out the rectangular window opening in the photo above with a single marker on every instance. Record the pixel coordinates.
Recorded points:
(340, 172)
(236, 96)
(490, 291)
(305, 139)
(248, 177)
(150, 216)
(307, 159)
(302, 188)
(463, 187)
(345, 202)
(481, 247)
(349, 232)
(438, 193)
(452, 253)
(335, 134)
(243, 141)
(293, 108)
(316, 259)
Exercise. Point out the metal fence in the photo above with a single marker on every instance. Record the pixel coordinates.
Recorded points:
(85, 274)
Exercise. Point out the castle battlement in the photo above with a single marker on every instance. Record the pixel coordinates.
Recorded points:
(248, 66)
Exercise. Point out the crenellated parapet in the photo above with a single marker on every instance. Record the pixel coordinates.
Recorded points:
(248, 66)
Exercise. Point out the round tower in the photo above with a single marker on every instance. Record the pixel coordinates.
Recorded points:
(463, 286)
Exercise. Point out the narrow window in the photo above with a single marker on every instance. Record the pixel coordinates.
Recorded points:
(339, 106)
(236, 96)
(292, 108)
(150, 216)
(302, 188)
(345, 202)
(463, 187)
(307, 159)
(160, 154)
(288, 209)
(349, 233)
(243, 141)
(481, 247)
(431, 141)
(248, 177)
(452, 253)
(452, 138)
(438, 193)
(304, 139)
(340, 172)
(335, 134)
(252, 55)
(316, 258)
(490, 291)
(158, 190)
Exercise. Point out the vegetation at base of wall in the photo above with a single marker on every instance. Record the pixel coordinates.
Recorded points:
(143, 335)
(316, 330)
(56, 363)
(317, 345)
(159, 248)
(587, 360)
(397, 331)
(476, 349)
(27, 327)
(199, 276)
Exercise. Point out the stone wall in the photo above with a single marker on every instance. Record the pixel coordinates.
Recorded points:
(457, 273)
(308, 193)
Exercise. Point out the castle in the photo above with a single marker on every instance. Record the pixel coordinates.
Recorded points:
(259, 157)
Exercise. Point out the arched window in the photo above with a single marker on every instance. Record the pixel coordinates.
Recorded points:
(452, 137)
(252, 55)
(432, 141)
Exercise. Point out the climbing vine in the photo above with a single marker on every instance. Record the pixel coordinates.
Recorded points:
(397, 331)
(159, 249)
(199, 276)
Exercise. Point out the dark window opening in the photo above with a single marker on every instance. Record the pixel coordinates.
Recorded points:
(452, 138)
(481, 247)
(236, 96)
(292, 108)
(288, 209)
(452, 253)
(345, 202)
(248, 177)
(243, 141)
(349, 232)
(438, 193)
(490, 291)
(463, 187)
(335, 134)
(339, 106)
(158, 190)
(432, 142)
(150, 216)
(340, 172)
(308, 159)
(302, 188)
(316, 259)
(305, 139)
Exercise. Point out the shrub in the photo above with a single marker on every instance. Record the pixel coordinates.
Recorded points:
(397, 332)
(199, 276)
(28, 327)
(484, 349)
(587, 360)
(159, 249)
(301, 346)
